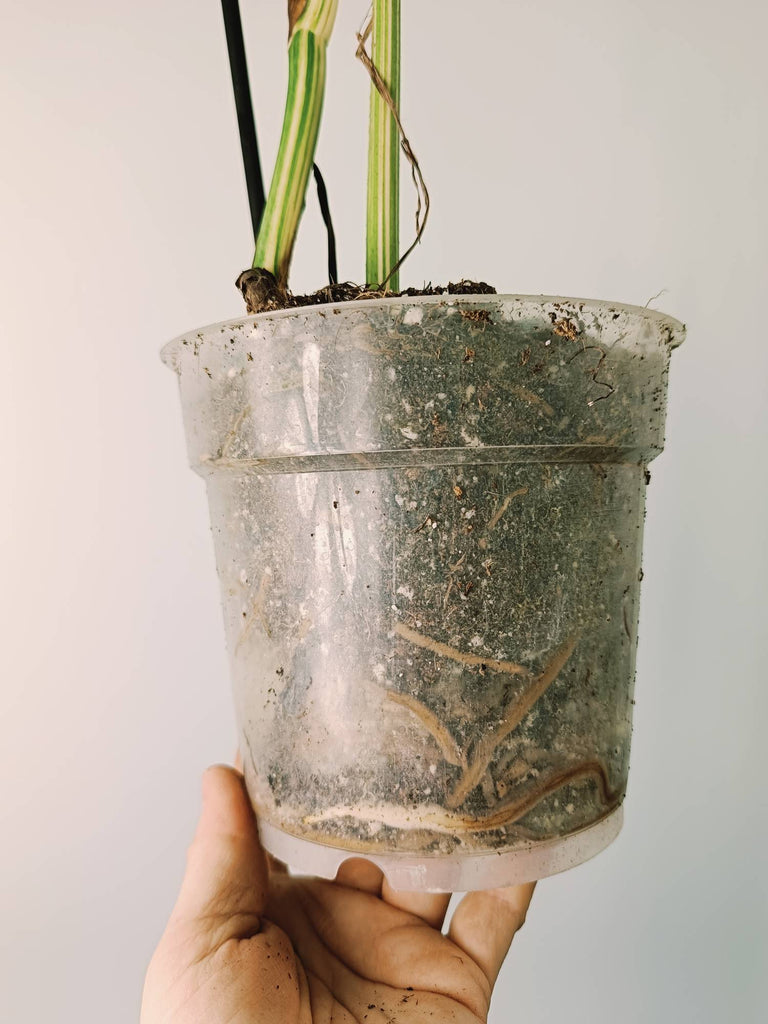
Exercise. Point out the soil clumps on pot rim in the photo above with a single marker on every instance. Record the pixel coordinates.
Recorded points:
(263, 293)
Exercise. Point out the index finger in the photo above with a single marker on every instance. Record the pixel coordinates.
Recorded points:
(276, 866)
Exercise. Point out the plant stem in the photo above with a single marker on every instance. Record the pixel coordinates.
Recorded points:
(382, 235)
(311, 24)
(325, 210)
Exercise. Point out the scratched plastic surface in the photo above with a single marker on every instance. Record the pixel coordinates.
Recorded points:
(428, 519)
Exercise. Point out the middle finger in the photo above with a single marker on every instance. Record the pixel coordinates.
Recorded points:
(429, 906)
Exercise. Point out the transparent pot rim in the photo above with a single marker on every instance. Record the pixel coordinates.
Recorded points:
(548, 303)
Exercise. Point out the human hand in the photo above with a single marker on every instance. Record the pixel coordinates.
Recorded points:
(248, 944)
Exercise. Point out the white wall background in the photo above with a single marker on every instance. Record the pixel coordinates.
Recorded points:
(596, 149)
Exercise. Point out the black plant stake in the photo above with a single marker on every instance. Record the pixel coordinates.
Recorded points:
(245, 121)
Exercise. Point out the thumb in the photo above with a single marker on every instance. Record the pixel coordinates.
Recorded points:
(225, 884)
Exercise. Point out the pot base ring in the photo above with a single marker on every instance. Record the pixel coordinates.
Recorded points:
(457, 873)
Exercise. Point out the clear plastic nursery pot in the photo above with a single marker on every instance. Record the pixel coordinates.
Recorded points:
(428, 518)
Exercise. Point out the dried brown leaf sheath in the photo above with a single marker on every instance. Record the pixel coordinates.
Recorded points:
(295, 11)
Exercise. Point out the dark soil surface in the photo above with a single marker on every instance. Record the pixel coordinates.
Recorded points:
(262, 293)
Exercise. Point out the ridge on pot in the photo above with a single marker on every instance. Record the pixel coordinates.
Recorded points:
(428, 521)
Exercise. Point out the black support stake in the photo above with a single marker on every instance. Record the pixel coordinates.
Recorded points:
(245, 120)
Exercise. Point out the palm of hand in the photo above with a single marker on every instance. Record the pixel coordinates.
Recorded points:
(262, 947)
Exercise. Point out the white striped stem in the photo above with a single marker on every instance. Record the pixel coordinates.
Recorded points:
(311, 24)
(383, 213)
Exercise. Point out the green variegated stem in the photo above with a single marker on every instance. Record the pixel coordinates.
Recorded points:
(311, 24)
(382, 235)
